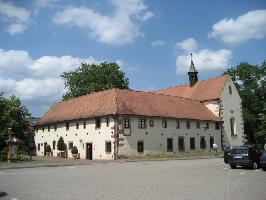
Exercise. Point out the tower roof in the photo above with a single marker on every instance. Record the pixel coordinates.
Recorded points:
(192, 68)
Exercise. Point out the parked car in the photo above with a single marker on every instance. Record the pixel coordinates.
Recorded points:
(263, 160)
(245, 156)
(227, 152)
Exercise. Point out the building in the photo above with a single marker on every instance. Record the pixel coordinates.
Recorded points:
(115, 122)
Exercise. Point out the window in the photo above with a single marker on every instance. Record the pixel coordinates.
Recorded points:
(77, 125)
(211, 142)
(36, 129)
(97, 122)
(192, 143)
(230, 89)
(188, 124)
(107, 121)
(232, 125)
(108, 147)
(164, 123)
(217, 125)
(48, 128)
(177, 124)
(84, 124)
(207, 125)
(142, 123)
(140, 146)
(126, 123)
(54, 143)
(169, 144)
(151, 123)
(181, 145)
(39, 146)
(198, 124)
(55, 127)
(70, 145)
(43, 129)
(67, 126)
(202, 143)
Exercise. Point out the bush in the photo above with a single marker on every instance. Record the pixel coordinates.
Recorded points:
(61, 144)
(48, 149)
(74, 150)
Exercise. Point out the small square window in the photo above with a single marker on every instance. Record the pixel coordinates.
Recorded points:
(126, 123)
(164, 123)
(142, 123)
(108, 147)
(97, 122)
(151, 123)
(188, 124)
(177, 124)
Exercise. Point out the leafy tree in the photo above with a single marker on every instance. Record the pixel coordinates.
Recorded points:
(12, 115)
(250, 81)
(61, 144)
(91, 78)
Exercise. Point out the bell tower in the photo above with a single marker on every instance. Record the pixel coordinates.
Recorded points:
(192, 73)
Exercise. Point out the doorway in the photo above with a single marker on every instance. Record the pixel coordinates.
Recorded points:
(89, 151)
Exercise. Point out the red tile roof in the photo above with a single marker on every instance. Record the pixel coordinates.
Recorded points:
(127, 102)
(203, 90)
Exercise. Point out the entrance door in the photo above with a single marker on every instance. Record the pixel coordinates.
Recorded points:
(181, 145)
(89, 151)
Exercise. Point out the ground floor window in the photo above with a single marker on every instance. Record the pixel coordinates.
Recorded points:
(192, 143)
(170, 144)
(39, 146)
(140, 146)
(211, 142)
(202, 143)
(108, 147)
(54, 142)
(181, 145)
(70, 145)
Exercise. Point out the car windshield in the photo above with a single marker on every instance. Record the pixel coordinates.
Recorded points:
(242, 151)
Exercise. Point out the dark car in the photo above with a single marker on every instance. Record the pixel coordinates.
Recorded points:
(263, 160)
(245, 156)
(227, 152)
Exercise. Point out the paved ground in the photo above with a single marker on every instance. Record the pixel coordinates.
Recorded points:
(176, 179)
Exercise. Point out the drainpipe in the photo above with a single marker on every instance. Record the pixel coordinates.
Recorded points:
(116, 136)
(222, 144)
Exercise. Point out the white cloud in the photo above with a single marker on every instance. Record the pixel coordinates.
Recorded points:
(17, 17)
(204, 60)
(188, 45)
(158, 43)
(119, 28)
(251, 25)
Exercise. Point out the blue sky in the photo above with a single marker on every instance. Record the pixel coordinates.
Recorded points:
(151, 41)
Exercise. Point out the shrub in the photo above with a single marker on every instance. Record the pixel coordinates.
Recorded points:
(48, 149)
(74, 150)
(61, 144)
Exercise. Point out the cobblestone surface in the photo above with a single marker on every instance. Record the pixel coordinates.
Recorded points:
(176, 179)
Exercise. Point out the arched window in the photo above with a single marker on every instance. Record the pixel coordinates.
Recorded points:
(233, 126)
(230, 89)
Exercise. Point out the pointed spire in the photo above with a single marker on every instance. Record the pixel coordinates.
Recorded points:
(192, 67)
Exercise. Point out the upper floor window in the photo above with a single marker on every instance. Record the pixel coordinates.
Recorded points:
(43, 129)
(207, 125)
(188, 124)
(67, 126)
(77, 125)
(217, 125)
(48, 128)
(84, 124)
(164, 123)
(98, 122)
(126, 123)
(151, 123)
(232, 125)
(55, 127)
(230, 89)
(142, 123)
(107, 121)
(198, 124)
(177, 124)
(108, 147)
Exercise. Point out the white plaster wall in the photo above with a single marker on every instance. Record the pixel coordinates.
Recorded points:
(231, 106)
(213, 106)
(155, 138)
(79, 137)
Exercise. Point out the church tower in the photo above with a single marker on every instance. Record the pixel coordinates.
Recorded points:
(192, 74)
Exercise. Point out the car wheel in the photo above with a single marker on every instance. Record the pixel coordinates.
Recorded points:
(232, 166)
(264, 169)
(254, 165)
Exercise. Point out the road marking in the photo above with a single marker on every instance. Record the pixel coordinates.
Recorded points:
(215, 164)
(2, 173)
(222, 163)
(241, 173)
(257, 170)
(226, 168)
(13, 199)
(71, 167)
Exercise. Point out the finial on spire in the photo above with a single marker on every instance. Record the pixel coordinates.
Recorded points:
(191, 57)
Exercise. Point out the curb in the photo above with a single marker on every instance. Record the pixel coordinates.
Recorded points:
(171, 159)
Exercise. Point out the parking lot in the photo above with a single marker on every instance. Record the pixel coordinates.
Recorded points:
(176, 179)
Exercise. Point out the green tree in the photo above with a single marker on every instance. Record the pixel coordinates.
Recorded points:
(12, 115)
(61, 144)
(91, 78)
(250, 81)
